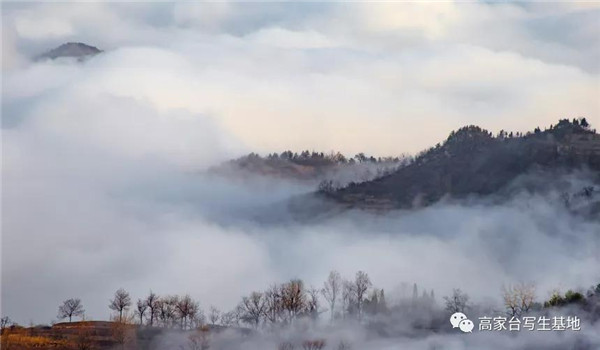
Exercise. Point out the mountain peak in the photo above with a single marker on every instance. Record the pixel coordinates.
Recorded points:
(71, 49)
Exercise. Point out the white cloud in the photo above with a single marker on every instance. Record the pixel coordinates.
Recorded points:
(97, 154)
(287, 39)
(45, 29)
(209, 15)
(432, 20)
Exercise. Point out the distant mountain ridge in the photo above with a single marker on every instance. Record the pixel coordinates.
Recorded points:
(70, 49)
(312, 167)
(473, 162)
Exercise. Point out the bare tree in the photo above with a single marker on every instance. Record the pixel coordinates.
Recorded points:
(161, 313)
(313, 344)
(293, 298)
(274, 304)
(519, 298)
(4, 322)
(5, 333)
(362, 283)
(214, 315)
(458, 302)
(526, 292)
(510, 301)
(348, 303)
(121, 302)
(252, 308)
(70, 308)
(140, 311)
(331, 291)
(186, 309)
(152, 301)
(167, 311)
(197, 317)
(286, 345)
(228, 319)
(312, 304)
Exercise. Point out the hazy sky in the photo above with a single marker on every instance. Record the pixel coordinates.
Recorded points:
(100, 189)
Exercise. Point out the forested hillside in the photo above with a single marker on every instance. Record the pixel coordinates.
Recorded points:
(472, 161)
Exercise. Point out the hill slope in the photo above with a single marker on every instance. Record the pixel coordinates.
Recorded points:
(473, 162)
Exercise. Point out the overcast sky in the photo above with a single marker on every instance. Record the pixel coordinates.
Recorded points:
(100, 189)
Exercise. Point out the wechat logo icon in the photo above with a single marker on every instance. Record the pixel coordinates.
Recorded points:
(460, 321)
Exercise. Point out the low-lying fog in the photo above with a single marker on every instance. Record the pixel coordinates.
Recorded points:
(80, 221)
(104, 182)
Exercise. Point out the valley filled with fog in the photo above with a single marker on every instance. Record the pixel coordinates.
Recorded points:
(109, 180)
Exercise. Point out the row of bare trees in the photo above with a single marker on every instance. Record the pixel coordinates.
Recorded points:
(351, 294)
(169, 311)
(518, 299)
(284, 303)
(279, 304)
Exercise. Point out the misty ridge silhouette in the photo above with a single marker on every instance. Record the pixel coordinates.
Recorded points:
(470, 161)
(470, 164)
(76, 50)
